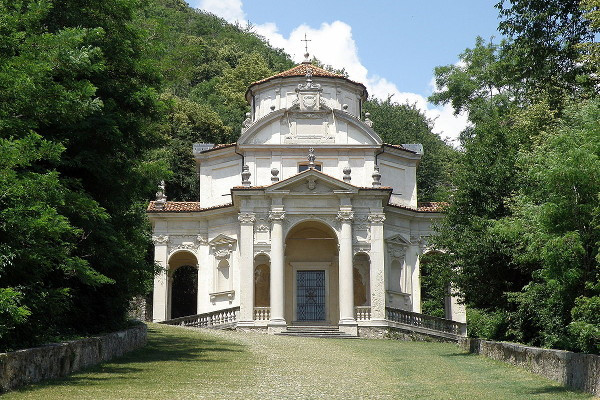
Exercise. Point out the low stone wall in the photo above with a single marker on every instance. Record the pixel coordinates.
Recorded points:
(576, 370)
(396, 333)
(26, 366)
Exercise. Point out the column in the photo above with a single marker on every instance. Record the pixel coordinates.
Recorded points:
(346, 274)
(246, 268)
(160, 297)
(277, 322)
(377, 269)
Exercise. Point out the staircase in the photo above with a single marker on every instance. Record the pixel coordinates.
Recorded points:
(317, 331)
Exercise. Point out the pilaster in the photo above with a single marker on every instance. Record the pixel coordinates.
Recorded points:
(377, 274)
(246, 243)
(160, 298)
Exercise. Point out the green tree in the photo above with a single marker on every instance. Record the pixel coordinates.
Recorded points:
(77, 101)
(404, 123)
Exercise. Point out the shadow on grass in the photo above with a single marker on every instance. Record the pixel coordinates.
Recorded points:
(162, 346)
(457, 354)
(553, 390)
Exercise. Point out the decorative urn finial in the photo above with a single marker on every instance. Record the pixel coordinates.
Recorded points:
(274, 175)
(347, 170)
(376, 177)
(161, 198)
(245, 175)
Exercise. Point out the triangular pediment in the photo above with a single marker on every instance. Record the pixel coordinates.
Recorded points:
(398, 240)
(314, 182)
(222, 240)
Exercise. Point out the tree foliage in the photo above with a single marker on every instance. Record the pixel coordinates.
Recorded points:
(404, 123)
(77, 100)
(524, 214)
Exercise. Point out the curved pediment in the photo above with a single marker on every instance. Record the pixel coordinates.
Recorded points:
(321, 126)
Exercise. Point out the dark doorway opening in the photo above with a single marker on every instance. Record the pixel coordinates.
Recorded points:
(184, 292)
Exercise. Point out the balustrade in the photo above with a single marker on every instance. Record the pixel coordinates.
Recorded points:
(213, 319)
(262, 313)
(426, 321)
(362, 313)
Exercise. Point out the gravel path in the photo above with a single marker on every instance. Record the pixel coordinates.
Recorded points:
(182, 363)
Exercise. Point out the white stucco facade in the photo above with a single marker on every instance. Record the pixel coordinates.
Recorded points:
(308, 218)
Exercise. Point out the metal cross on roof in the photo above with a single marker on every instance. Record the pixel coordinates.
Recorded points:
(305, 40)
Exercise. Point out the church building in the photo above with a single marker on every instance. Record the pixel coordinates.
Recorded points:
(308, 219)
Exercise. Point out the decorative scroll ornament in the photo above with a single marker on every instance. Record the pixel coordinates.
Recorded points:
(160, 239)
(201, 239)
(246, 218)
(247, 122)
(377, 218)
(345, 215)
(276, 215)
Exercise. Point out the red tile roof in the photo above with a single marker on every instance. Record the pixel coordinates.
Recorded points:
(432, 207)
(399, 147)
(219, 146)
(182, 206)
(302, 69)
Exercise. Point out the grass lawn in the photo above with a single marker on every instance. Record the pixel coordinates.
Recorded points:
(198, 364)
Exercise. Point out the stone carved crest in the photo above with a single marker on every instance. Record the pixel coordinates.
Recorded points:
(397, 246)
(222, 246)
(311, 183)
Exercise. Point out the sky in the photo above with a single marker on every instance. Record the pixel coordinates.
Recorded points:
(392, 46)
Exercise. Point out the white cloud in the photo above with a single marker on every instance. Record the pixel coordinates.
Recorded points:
(229, 10)
(333, 44)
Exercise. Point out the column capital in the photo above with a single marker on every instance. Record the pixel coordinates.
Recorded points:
(345, 215)
(376, 218)
(276, 215)
(246, 218)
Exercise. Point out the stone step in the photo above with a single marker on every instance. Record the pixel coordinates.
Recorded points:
(319, 331)
(313, 328)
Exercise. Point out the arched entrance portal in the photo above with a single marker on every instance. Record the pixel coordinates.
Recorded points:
(311, 276)
(183, 271)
